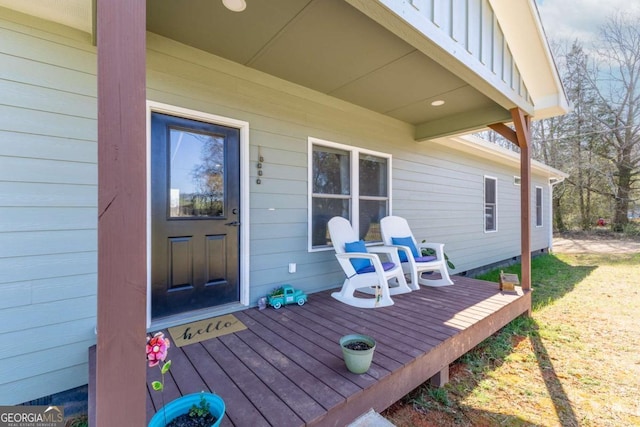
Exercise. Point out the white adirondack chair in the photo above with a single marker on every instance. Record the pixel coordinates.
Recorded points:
(396, 232)
(378, 279)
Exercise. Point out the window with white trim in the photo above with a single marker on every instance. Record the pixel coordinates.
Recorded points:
(350, 182)
(490, 204)
(538, 206)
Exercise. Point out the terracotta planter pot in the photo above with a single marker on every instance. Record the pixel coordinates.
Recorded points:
(181, 406)
(358, 361)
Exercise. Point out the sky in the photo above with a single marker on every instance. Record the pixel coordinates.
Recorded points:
(568, 20)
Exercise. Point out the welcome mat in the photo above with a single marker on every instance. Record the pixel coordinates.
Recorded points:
(205, 329)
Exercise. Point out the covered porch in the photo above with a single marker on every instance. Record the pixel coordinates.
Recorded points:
(286, 368)
(386, 78)
(404, 70)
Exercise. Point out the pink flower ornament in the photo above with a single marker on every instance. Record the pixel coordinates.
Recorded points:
(157, 349)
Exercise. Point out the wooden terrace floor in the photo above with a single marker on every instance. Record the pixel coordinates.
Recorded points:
(287, 369)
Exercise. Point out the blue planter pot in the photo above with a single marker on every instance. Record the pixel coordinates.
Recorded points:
(181, 406)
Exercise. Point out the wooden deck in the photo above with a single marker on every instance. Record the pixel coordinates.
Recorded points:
(286, 369)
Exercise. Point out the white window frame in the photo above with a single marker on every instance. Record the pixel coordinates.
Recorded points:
(484, 204)
(354, 197)
(541, 218)
(517, 180)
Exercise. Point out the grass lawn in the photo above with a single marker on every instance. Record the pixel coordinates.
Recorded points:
(574, 362)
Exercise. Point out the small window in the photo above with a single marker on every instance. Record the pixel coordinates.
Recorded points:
(538, 206)
(516, 180)
(349, 182)
(490, 204)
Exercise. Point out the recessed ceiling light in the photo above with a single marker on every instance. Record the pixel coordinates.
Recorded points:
(437, 103)
(235, 5)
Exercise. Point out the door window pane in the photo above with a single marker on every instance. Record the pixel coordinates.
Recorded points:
(196, 174)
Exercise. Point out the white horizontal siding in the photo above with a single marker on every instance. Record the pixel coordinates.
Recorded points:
(47, 147)
(62, 288)
(32, 97)
(20, 269)
(45, 74)
(24, 244)
(13, 295)
(45, 314)
(47, 171)
(53, 381)
(55, 45)
(28, 218)
(46, 123)
(48, 199)
(41, 195)
(56, 358)
(65, 333)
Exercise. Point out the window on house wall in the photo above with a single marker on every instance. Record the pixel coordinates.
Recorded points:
(349, 182)
(516, 180)
(538, 206)
(490, 204)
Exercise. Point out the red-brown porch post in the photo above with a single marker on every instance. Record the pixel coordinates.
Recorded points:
(122, 274)
(523, 133)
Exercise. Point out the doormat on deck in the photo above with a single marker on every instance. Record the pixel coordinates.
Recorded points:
(205, 329)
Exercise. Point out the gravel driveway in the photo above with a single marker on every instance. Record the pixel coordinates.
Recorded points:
(579, 245)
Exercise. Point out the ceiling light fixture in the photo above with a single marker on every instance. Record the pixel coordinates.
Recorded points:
(437, 103)
(235, 5)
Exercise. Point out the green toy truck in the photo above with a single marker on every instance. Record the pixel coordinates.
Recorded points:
(284, 295)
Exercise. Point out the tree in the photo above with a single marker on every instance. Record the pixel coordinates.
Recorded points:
(583, 135)
(598, 143)
(620, 99)
(547, 142)
(568, 143)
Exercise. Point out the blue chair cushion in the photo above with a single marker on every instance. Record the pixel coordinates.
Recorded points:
(405, 241)
(370, 269)
(427, 258)
(358, 263)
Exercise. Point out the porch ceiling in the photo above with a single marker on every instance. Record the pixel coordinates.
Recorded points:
(331, 47)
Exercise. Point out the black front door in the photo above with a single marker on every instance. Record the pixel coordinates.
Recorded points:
(195, 206)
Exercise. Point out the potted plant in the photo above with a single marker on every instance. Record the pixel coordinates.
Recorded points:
(193, 410)
(357, 350)
(196, 409)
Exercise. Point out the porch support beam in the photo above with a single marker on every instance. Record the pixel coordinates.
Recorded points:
(122, 265)
(506, 132)
(522, 124)
(461, 122)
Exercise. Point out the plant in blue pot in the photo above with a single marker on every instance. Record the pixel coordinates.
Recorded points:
(192, 410)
